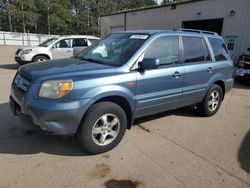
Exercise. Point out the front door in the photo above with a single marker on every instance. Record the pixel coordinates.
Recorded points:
(160, 89)
(62, 49)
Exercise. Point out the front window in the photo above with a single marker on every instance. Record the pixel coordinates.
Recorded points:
(64, 43)
(165, 49)
(48, 42)
(114, 50)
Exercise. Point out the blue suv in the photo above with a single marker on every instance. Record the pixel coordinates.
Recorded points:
(97, 94)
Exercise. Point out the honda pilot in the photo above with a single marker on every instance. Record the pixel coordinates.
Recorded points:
(97, 94)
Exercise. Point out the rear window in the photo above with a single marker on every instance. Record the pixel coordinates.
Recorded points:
(193, 49)
(78, 42)
(92, 40)
(219, 49)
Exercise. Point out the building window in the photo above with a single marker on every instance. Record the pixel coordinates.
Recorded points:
(230, 44)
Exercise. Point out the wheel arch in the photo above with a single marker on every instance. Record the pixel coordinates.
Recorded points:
(46, 55)
(119, 100)
(123, 103)
(222, 85)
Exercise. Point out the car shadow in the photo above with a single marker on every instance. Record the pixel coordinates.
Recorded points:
(241, 85)
(16, 138)
(244, 153)
(186, 111)
(9, 66)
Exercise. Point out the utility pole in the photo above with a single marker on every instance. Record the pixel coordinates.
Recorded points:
(48, 16)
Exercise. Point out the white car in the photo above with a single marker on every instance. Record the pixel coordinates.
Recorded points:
(54, 48)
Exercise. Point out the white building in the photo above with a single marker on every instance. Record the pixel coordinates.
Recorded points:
(229, 18)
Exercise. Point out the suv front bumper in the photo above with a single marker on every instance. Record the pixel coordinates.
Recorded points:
(23, 59)
(58, 118)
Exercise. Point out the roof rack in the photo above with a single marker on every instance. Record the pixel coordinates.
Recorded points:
(197, 31)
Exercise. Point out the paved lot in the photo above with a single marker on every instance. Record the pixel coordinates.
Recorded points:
(174, 149)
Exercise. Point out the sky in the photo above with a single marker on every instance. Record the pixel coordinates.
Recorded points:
(159, 1)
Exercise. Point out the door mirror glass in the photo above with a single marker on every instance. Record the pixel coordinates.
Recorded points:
(149, 63)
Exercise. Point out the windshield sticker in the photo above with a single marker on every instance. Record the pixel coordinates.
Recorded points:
(142, 37)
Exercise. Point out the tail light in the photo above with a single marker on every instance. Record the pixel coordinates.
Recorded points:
(242, 62)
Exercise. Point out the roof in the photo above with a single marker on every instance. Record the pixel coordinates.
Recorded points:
(176, 31)
(79, 36)
(152, 7)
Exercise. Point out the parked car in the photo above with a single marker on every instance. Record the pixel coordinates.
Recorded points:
(53, 48)
(243, 71)
(126, 75)
(78, 47)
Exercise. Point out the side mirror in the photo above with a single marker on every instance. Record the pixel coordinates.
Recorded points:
(149, 63)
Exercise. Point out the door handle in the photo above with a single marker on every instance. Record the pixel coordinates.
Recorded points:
(68, 50)
(177, 74)
(210, 70)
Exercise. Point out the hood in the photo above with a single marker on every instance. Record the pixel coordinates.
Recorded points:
(34, 48)
(70, 68)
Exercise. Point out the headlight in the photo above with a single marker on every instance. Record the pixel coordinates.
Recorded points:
(55, 89)
(27, 51)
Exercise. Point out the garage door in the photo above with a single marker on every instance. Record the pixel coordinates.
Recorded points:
(214, 25)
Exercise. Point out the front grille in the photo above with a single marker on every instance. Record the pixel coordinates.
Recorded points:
(21, 83)
(17, 52)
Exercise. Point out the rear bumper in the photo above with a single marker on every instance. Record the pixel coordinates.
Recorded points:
(58, 118)
(243, 72)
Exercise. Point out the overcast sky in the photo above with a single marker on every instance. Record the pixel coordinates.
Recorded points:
(158, 1)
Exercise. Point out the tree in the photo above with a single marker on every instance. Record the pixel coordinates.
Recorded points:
(61, 16)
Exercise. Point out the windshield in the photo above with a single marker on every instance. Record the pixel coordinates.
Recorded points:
(114, 50)
(47, 42)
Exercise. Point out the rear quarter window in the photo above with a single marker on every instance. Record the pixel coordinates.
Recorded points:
(219, 49)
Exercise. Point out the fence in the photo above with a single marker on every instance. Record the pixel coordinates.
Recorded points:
(23, 39)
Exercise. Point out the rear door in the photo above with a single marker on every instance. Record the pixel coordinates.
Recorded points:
(62, 49)
(79, 44)
(198, 68)
(160, 89)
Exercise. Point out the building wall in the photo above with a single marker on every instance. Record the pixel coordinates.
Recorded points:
(237, 26)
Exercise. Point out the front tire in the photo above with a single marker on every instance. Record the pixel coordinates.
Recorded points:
(102, 128)
(40, 58)
(211, 103)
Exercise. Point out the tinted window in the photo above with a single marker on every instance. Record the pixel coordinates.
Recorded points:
(193, 49)
(65, 43)
(166, 49)
(219, 49)
(79, 42)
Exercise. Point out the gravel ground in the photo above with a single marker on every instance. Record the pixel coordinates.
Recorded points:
(174, 149)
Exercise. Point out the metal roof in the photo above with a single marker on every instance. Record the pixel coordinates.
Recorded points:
(152, 7)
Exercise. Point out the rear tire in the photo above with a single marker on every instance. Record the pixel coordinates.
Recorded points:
(102, 128)
(211, 103)
(40, 58)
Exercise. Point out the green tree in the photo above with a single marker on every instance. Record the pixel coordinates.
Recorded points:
(61, 16)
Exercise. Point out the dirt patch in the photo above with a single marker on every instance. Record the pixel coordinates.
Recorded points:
(100, 171)
(122, 184)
